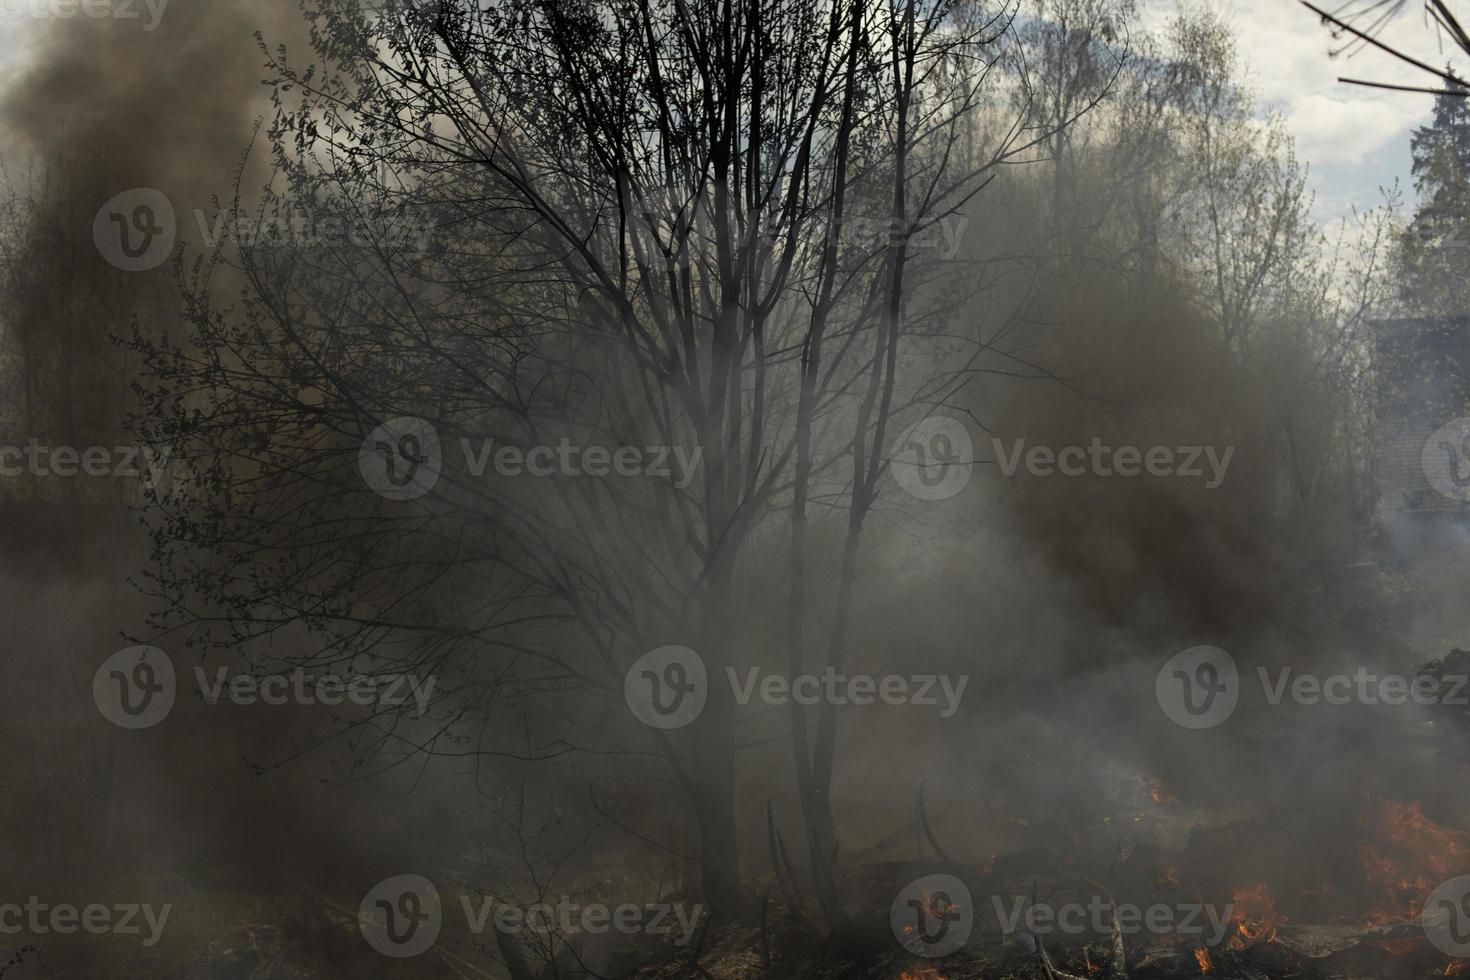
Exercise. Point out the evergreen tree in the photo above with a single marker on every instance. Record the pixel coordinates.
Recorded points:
(1435, 251)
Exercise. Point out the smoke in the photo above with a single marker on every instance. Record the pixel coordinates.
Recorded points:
(102, 106)
(170, 108)
(97, 107)
(1062, 596)
(1059, 597)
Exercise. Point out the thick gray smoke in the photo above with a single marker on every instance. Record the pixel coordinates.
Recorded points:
(102, 106)
(170, 107)
(1058, 598)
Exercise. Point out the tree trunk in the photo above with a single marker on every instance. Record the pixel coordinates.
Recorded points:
(713, 749)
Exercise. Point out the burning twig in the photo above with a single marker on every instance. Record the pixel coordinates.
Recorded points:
(1255, 919)
(1117, 960)
(1048, 970)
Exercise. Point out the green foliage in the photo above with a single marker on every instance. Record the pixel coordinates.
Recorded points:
(1435, 247)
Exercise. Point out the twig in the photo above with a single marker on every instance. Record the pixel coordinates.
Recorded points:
(928, 832)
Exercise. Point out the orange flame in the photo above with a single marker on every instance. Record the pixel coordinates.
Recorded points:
(923, 972)
(1156, 790)
(937, 905)
(1255, 917)
(1202, 957)
(1405, 857)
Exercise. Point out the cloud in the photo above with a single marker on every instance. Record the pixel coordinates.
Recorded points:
(1355, 139)
(1339, 129)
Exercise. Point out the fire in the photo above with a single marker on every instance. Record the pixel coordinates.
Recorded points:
(1202, 957)
(1168, 877)
(1156, 790)
(925, 971)
(1255, 918)
(939, 906)
(1454, 967)
(1405, 857)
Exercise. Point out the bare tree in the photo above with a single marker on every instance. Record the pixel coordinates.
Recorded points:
(640, 224)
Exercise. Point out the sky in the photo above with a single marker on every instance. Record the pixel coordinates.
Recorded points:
(1355, 140)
